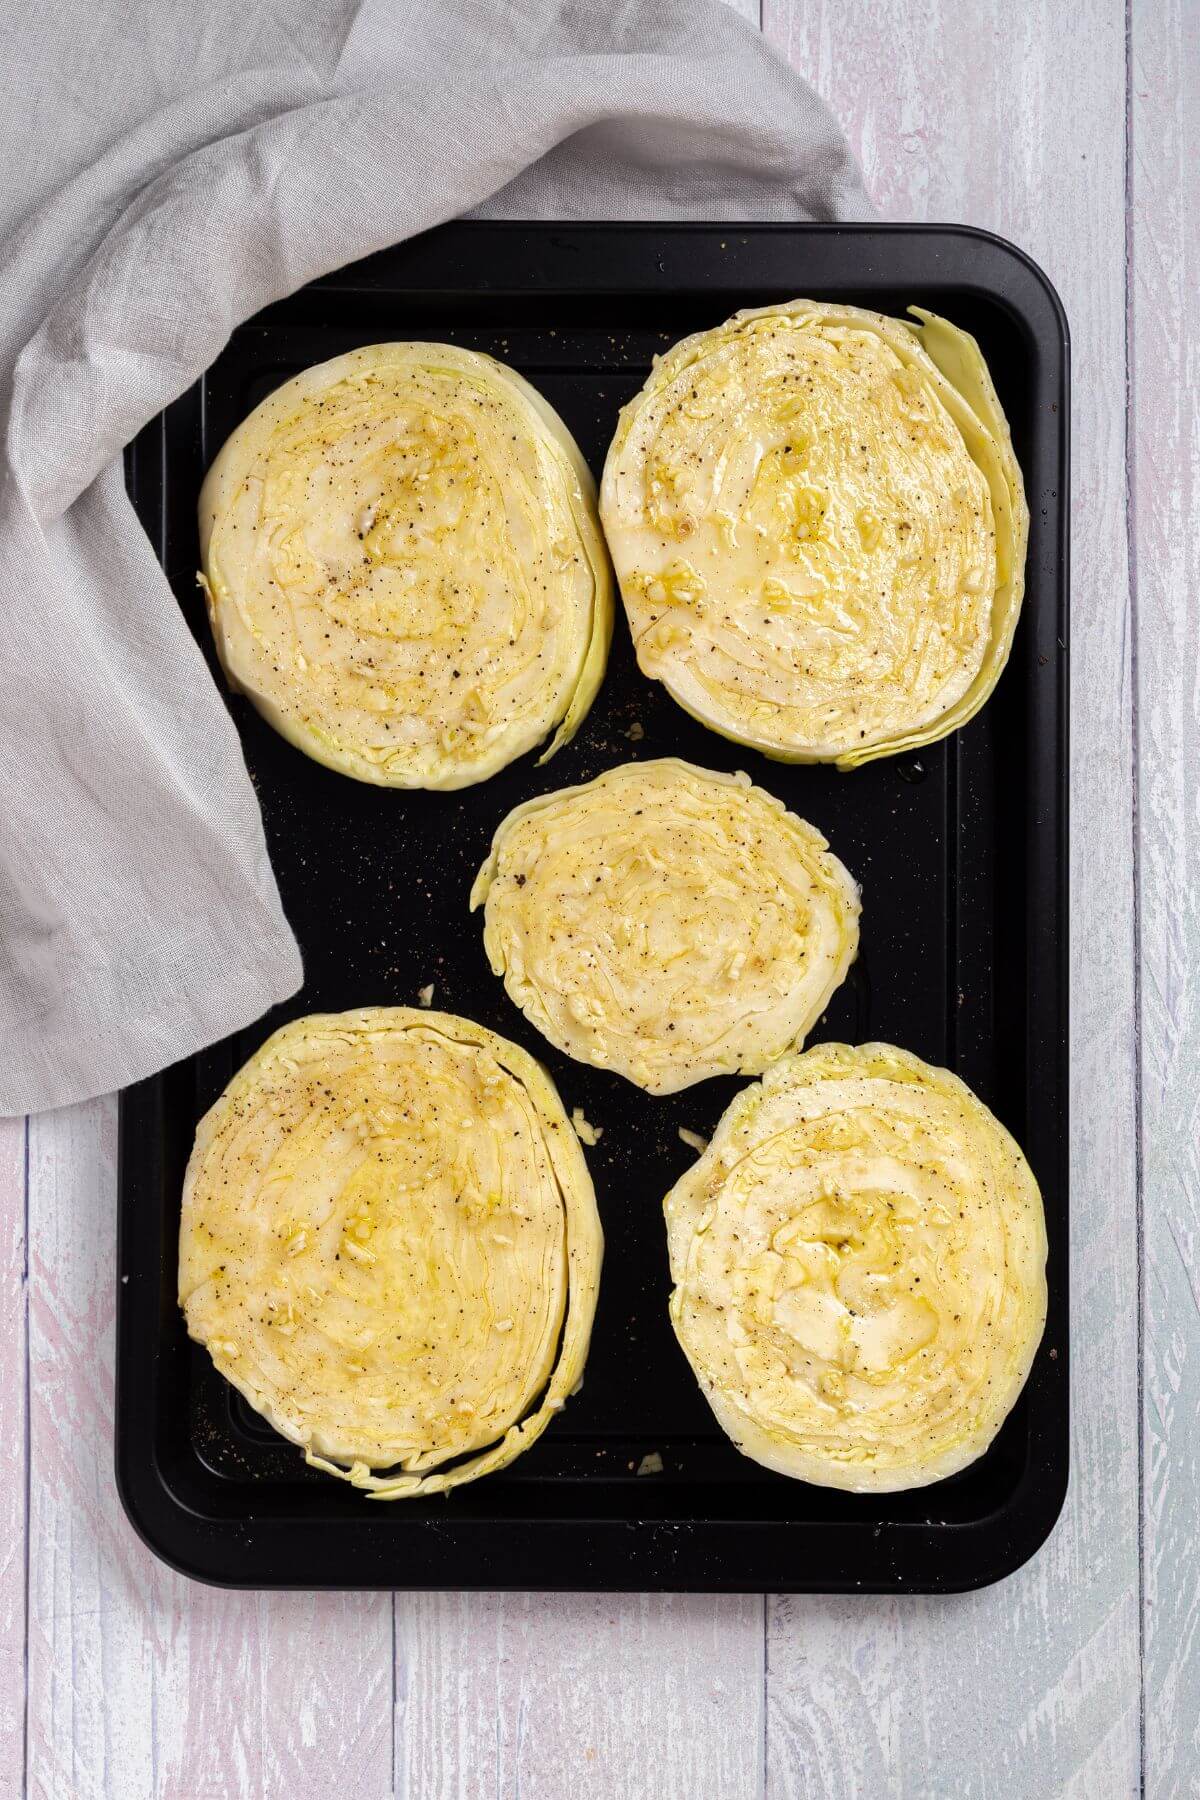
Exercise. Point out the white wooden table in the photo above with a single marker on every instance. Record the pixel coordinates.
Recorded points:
(1074, 128)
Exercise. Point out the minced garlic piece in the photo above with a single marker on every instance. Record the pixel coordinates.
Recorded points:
(587, 1134)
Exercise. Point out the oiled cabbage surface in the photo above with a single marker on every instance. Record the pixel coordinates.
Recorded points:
(818, 526)
(667, 922)
(404, 568)
(859, 1267)
(390, 1245)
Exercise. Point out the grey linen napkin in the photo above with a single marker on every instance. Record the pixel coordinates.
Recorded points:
(170, 168)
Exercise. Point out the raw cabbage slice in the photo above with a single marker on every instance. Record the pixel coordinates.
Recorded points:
(859, 1265)
(819, 527)
(404, 568)
(667, 922)
(390, 1246)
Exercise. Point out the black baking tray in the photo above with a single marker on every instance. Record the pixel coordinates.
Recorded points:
(962, 853)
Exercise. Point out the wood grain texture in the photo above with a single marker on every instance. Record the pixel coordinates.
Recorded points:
(1013, 118)
(12, 1467)
(596, 1697)
(1164, 244)
(142, 1684)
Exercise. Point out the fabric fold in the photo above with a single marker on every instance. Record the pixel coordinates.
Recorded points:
(161, 188)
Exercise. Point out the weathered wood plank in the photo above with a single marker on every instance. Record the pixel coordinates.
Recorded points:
(538, 1697)
(1013, 118)
(141, 1683)
(92, 1687)
(1165, 247)
(288, 1696)
(13, 1467)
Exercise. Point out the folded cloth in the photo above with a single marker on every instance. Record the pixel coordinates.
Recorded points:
(170, 169)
